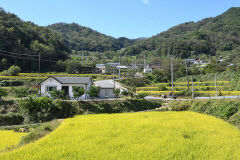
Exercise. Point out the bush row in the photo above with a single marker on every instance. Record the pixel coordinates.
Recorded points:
(44, 109)
(11, 119)
(6, 83)
(227, 109)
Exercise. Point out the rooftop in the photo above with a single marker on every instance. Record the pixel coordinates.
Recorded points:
(73, 80)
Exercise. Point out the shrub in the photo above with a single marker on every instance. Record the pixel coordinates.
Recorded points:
(94, 91)
(78, 91)
(162, 87)
(227, 110)
(6, 83)
(58, 94)
(12, 71)
(125, 93)
(141, 95)
(41, 109)
(11, 119)
(38, 109)
(117, 92)
(63, 109)
(3, 93)
(20, 92)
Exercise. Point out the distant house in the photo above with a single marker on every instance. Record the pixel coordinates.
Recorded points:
(107, 88)
(147, 70)
(66, 84)
(123, 67)
(101, 67)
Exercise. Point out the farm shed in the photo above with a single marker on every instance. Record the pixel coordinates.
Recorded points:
(107, 88)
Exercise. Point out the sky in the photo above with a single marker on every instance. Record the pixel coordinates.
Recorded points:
(118, 18)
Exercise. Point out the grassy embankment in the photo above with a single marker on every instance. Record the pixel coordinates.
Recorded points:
(150, 135)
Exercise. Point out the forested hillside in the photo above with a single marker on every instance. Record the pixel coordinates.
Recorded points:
(81, 38)
(210, 36)
(22, 42)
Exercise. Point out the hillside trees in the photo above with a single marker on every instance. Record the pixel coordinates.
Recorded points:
(21, 42)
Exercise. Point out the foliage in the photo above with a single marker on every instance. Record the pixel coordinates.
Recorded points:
(58, 94)
(81, 38)
(12, 71)
(3, 93)
(86, 137)
(141, 95)
(117, 92)
(226, 109)
(20, 92)
(125, 93)
(6, 83)
(19, 37)
(11, 119)
(94, 91)
(209, 37)
(38, 109)
(43, 109)
(78, 91)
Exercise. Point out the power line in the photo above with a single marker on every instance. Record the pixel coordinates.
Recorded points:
(27, 58)
(19, 53)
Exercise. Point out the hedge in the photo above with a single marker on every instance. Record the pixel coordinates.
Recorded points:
(11, 119)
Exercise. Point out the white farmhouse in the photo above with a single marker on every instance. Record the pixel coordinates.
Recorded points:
(66, 84)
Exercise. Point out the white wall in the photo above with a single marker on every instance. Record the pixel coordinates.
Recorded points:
(49, 82)
(106, 93)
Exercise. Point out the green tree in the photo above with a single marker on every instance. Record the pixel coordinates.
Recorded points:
(94, 91)
(78, 91)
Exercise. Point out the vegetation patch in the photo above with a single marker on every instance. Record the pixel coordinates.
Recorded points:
(226, 109)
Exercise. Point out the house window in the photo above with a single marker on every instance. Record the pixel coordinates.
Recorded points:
(51, 88)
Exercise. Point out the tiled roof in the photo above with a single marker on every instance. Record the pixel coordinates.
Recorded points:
(73, 80)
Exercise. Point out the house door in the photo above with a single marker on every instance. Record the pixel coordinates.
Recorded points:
(66, 90)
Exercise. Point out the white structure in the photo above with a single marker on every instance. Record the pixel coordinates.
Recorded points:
(147, 70)
(66, 84)
(101, 67)
(107, 88)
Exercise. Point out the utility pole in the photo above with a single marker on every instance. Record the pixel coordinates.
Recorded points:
(187, 73)
(113, 78)
(39, 62)
(119, 68)
(144, 61)
(216, 85)
(172, 71)
(192, 89)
